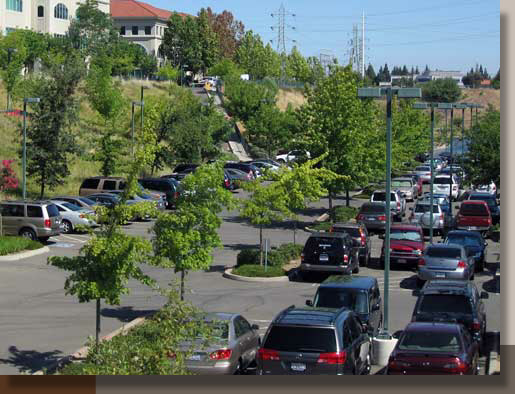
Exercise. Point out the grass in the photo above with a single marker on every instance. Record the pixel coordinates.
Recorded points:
(343, 214)
(323, 226)
(9, 245)
(252, 270)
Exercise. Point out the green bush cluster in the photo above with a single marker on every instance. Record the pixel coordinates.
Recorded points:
(10, 245)
(277, 257)
(344, 214)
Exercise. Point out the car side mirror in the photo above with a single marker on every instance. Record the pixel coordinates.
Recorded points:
(255, 327)
(309, 303)
(376, 307)
(397, 334)
(486, 244)
(484, 295)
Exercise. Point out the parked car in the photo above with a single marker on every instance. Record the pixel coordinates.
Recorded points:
(184, 166)
(137, 198)
(490, 188)
(445, 261)
(453, 301)
(169, 186)
(437, 164)
(232, 350)
(237, 177)
(291, 156)
(108, 199)
(30, 219)
(315, 341)
(73, 216)
(100, 184)
(358, 293)
(424, 172)
(269, 161)
(473, 242)
(82, 202)
(421, 216)
(245, 167)
(373, 216)
(406, 245)
(397, 202)
(475, 216)
(262, 165)
(442, 184)
(434, 349)
(329, 252)
(491, 201)
(359, 234)
(406, 186)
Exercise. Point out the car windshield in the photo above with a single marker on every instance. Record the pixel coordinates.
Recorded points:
(301, 339)
(423, 208)
(87, 201)
(430, 341)
(365, 208)
(462, 240)
(401, 184)
(71, 207)
(451, 253)
(444, 303)
(339, 298)
(405, 235)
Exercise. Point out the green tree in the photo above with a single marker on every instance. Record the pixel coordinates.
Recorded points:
(226, 68)
(13, 54)
(496, 82)
(256, 59)
(317, 71)
(370, 74)
(483, 159)
(168, 73)
(297, 66)
(185, 240)
(228, 30)
(444, 90)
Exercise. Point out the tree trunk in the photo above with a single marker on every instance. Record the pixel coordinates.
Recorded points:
(294, 231)
(42, 189)
(97, 331)
(347, 197)
(331, 214)
(261, 244)
(182, 285)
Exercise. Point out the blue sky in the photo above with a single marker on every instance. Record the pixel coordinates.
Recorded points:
(442, 34)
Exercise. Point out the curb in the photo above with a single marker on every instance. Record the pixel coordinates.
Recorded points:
(492, 364)
(24, 255)
(83, 351)
(229, 275)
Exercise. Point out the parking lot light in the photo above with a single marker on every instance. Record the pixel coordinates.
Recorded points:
(389, 92)
(141, 104)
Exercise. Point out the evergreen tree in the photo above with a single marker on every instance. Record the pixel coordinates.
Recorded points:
(426, 71)
(416, 71)
(386, 74)
(404, 70)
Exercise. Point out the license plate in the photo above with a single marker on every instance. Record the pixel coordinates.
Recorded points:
(371, 219)
(401, 261)
(324, 257)
(440, 275)
(472, 228)
(194, 357)
(298, 367)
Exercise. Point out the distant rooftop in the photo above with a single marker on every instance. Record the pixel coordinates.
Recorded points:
(138, 9)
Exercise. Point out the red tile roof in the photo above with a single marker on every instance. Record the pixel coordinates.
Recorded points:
(138, 9)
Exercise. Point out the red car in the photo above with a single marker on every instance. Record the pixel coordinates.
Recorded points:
(434, 349)
(406, 244)
(474, 215)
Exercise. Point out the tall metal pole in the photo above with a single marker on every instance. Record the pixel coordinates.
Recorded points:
(24, 159)
(462, 132)
(432, 175)
(452, 162)
(446, 128)
(132, 126)
(470, 118)
(142, 108)
(387, 207)
(363, 48)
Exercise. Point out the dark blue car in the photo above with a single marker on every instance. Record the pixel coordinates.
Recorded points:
(474, 244)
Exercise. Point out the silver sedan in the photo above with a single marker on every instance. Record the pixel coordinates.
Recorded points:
(73, 216)
(232, 350)
(445, 261)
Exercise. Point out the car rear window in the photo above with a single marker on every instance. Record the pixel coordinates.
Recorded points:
(352, 231)
(423, 208)
(339, 298)
(52, 210)
(473, 210)
(381, 196)
(463, 240)
(90, 183)
(442, 180)
(301, 339)
(369, 208)
(490, 201)
(315, 243)
(401, 184)
(452, 253)
(430, 341)
(444, 303)
(425, 169)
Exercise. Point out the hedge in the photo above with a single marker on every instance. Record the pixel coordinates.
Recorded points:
(9, 244)
(276, 257)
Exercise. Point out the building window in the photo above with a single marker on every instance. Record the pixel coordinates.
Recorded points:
(134, 30)
(60, 11)
(15, 5)
(41, 11)
(148, 30)
(122, 30)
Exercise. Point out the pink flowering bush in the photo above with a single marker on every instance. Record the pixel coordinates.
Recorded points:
(8, 178)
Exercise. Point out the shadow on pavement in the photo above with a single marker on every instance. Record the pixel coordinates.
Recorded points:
(126, 313)
(30, 361)
(216, 268)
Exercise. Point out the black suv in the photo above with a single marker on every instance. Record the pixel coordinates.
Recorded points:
(453, 301)
(166, 185)
(359, 234)
(359, 293)
(245, 167)
(313, 341)
(329, 252)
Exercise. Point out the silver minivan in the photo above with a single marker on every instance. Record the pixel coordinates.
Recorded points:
(30, 219)
(421, 215)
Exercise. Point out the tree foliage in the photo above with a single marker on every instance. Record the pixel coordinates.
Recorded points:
(444, 90)
(246, 98)
(228, 30)
(258, 60)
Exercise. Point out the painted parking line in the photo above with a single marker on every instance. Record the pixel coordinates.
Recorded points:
(70, 238)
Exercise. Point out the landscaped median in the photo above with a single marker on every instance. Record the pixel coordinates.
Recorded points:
(15, 248)
(341, 214)
(280, 260)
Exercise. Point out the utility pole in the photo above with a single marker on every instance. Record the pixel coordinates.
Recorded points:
(281, 26)
(363, 46)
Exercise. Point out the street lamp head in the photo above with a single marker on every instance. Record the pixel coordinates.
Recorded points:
(409, 93)
(444, 105)
(369, 92)
(420, 106)
(460, 106)
(31, 100)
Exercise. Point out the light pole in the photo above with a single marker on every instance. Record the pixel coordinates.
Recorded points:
(24, 160)
(141, 104)
(389, 92)
(10, 51)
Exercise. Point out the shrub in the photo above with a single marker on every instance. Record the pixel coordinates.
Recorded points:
(8, 178)
(277, 256)
(344, 214)
(252, 270)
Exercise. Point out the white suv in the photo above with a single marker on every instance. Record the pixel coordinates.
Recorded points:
(291, 156)
(442, 184)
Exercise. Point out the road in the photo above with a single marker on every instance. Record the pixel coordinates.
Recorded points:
(40, 323)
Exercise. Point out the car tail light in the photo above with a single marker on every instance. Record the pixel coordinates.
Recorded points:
(345, 259)
(489, 221)
(332, 358)
(393, 364)
(441, 216)
(331, 229)
(249, 175)
(227, 182)
(268, 355)
(398, 205)
(382, 217)
(302, 257)
(176, 195)
(456, 365)
(421, 262)
(222, 354)
(48, 223)
(360, 217)
(363, 238)
(461, 264)
(475, 326)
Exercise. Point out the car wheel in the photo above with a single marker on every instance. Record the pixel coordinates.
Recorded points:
(28, 233)
(67, 227)
(356, 269)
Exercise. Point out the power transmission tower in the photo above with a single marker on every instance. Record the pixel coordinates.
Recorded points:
(326, 60)
(280, 28)
(357, 48)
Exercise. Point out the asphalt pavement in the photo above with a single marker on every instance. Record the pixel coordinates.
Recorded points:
(40, 323)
